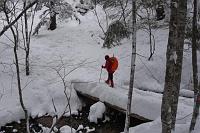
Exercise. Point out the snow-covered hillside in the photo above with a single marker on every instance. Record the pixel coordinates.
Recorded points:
(78, 47)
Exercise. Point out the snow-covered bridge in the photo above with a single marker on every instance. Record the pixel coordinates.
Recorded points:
(146, 105)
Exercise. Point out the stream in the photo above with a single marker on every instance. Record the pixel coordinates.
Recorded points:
(112, 122)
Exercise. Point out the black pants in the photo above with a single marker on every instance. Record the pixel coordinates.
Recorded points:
(110, 78)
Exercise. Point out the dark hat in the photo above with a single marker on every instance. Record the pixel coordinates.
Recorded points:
(106, 57)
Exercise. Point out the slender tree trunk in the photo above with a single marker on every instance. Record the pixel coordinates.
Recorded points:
(132, 74)
(17, 68)
(27, 41)
(195, 68)
(195, 112)
(52, 25)
(150, 35)
(20, 89)
(173, 65)
(194, 49)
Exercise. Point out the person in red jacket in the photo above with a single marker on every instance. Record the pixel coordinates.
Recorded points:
(108, 67)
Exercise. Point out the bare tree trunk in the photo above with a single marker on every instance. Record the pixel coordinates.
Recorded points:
(195, 68)
(195, 112)
(194, 49)
(52, 25)
(182, 13)
(173, 65)
(20, 89)
(150, 36)
(132, 74)
(17, 68)
(27, 48)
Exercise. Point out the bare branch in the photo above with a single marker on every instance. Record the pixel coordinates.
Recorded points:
(17, 18)
(95, 12)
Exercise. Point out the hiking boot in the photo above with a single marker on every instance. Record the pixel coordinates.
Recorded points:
(107, 81)
(112, 84)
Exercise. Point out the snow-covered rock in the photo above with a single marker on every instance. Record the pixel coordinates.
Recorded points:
(96, 111)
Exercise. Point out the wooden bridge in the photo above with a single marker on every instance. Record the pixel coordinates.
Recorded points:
(90, 100)
(92, 93)
(146, 105)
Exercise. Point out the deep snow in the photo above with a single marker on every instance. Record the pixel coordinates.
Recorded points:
(79, 46)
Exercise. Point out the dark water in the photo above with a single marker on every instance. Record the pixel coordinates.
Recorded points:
(115, 125)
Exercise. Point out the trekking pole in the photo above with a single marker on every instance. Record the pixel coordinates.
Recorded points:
(100, 75)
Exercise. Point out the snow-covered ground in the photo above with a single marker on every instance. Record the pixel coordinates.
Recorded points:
(79, 48)
(182, 126)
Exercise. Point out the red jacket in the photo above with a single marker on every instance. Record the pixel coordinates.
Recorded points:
(108, 66)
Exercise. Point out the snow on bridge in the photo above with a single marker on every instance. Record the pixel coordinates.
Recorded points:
(146, 105)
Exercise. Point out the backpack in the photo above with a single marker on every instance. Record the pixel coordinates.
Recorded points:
(114, 63)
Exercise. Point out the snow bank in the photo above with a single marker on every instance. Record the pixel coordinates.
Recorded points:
(156, 127)
(38, 100)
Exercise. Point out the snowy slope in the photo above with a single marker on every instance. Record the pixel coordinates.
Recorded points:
(79, 46)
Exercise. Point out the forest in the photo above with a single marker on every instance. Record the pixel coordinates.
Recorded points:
(99, 66)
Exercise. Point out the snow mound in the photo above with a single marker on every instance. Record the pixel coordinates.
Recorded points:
(156, 127)
(96, 111)
(64, 129)
(67, 129)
